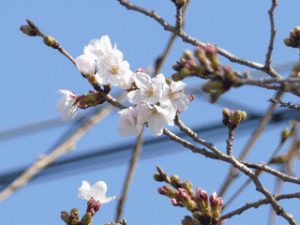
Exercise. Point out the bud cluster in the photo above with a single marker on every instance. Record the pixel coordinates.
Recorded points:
(73, 218)
(233, 119)
(206, 209)
(204, 63)
(294, 39)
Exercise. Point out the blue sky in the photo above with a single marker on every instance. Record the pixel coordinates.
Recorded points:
(32, 73)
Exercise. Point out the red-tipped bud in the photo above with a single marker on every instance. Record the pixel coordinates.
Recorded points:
(213, 198)
(187, 185)
(162, 191)
(183, 194)
(140, 70)
(211, 50)
(175, 202)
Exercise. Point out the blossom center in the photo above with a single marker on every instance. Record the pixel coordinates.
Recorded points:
(114, 69)
(151, 92)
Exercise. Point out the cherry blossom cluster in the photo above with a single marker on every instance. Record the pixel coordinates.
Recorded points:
(156, 100)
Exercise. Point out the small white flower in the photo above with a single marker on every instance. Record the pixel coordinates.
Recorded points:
(67, 105)
(156, 118)
(99, 47)
(128, 122)
(113, 70)
(173, 96)
(86, 64)
(149, 90)
(97, 192)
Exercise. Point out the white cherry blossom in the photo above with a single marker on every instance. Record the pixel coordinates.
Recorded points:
(173, 96)
(99, 47)
(86, 64)
(156, 117)
(149, 90)
(67, 105)
(128, 122)
(97, 192)
(113, 70)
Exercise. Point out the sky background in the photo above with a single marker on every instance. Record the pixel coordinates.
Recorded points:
(32, 73)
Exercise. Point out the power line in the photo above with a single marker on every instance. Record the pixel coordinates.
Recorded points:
(112, 155)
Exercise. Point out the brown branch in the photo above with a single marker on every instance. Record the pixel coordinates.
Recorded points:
(273, 34)
(194, 41)
(284, 104)
(133, 164)
(264, 121)
(257, 204)
(284, 177)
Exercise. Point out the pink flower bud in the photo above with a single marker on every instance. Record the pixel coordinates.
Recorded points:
(213, 199)
(201, 195)
(183, 194)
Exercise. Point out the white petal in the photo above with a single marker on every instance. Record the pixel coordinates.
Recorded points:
(177, 86)
(84, 191)
(156, 125)
(142, 81)
(85, 64)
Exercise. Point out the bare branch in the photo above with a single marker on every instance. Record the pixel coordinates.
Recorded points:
(246, 150)
(229, 143)
(194, 41)
(133, 164)
(284, 104)
(273, 33)
(284, 177)
(258, 204)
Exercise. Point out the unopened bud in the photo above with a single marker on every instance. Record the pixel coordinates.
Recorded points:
(175, 180)
(287, 42)
(183, 194)
(158, 177)
(65, 216)
(279, 159)
(87, 219)
(51, 42)
(297, 29)
(187, 54)
(202, 201)
(285, 135)
(191, 205)
(187, 185)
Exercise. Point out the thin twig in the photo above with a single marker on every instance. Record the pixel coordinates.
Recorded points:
(62, 149)
(194, 41)
(194, 135)
(273, 34)
(278, 188)
(284, 104)
(232, 173)
(258, 173)
(259, 187)
(229, 143)
(259, 203)
(133, 164)
(160, 60)
(284, 177)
